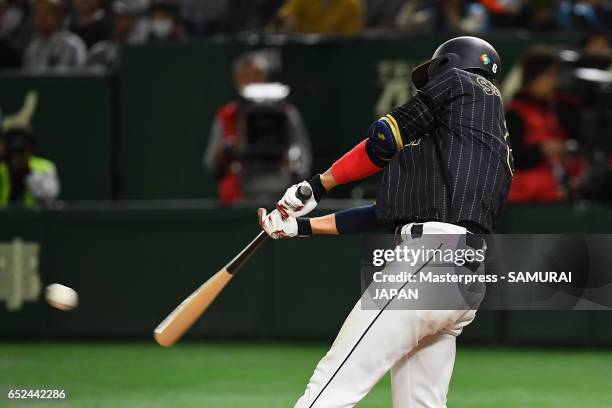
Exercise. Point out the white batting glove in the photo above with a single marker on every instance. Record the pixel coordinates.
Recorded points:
(291, 206)
(276, 226)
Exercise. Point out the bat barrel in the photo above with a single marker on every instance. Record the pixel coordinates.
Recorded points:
(182, 318)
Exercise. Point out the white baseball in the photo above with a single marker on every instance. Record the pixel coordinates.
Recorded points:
(61, 297)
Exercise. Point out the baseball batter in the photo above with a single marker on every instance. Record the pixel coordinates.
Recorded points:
(447, 168)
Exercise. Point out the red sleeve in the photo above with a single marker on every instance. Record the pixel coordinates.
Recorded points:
(354, 165)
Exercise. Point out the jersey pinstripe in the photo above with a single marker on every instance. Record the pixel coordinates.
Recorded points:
(455, 164)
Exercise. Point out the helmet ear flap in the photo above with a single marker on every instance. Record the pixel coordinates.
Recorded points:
(420, 75)
(442, 63)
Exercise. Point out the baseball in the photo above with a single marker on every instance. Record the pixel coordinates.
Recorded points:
(61, 297)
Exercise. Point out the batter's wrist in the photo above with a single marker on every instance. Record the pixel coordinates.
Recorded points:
(318, 189)
(304, 227)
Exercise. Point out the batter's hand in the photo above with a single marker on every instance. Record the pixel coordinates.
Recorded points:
(291, 206)
(276, 226)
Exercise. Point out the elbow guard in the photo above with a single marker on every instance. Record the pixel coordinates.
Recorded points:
(384, 140)
(372, 154)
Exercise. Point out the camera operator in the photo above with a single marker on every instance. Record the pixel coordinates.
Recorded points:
(25, 179)
(258, 144)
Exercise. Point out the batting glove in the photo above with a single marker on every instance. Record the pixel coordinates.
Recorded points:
(291, 206)
(276, 226)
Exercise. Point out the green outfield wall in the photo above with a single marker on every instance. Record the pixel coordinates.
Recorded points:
(132, 266)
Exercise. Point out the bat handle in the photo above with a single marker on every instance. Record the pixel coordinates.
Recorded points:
(235, 264)
(303, 193)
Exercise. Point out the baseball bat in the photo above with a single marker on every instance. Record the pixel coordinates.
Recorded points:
(172, 328)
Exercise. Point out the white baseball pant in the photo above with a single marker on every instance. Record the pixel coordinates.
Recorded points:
(418, 346)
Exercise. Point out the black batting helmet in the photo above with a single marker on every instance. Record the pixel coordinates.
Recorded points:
(467, 53)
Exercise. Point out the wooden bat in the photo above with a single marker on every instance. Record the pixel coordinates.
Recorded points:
(170, 330)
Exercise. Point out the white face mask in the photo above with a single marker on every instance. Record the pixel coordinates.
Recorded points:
(161, 28)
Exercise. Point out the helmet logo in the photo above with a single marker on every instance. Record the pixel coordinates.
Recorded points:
(485, 59)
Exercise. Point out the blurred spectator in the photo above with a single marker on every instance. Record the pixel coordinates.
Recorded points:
(130, 26)
(382, 13)
(507, 13)
(585, 14)
(538, 141)
(165, 23)
(597, 42)
(343, 17)
(249, 15)
(227, 155)
(90, 21)
(443, 15)
(463, 16)
(204, 17)
(53, 46)
(542, 14)
(524, 14)
(15, 31)
(417, 16)
(26, 179)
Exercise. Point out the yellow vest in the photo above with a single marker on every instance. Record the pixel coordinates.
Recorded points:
(37, 165)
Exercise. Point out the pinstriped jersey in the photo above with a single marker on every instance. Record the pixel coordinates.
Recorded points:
(454, 162)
